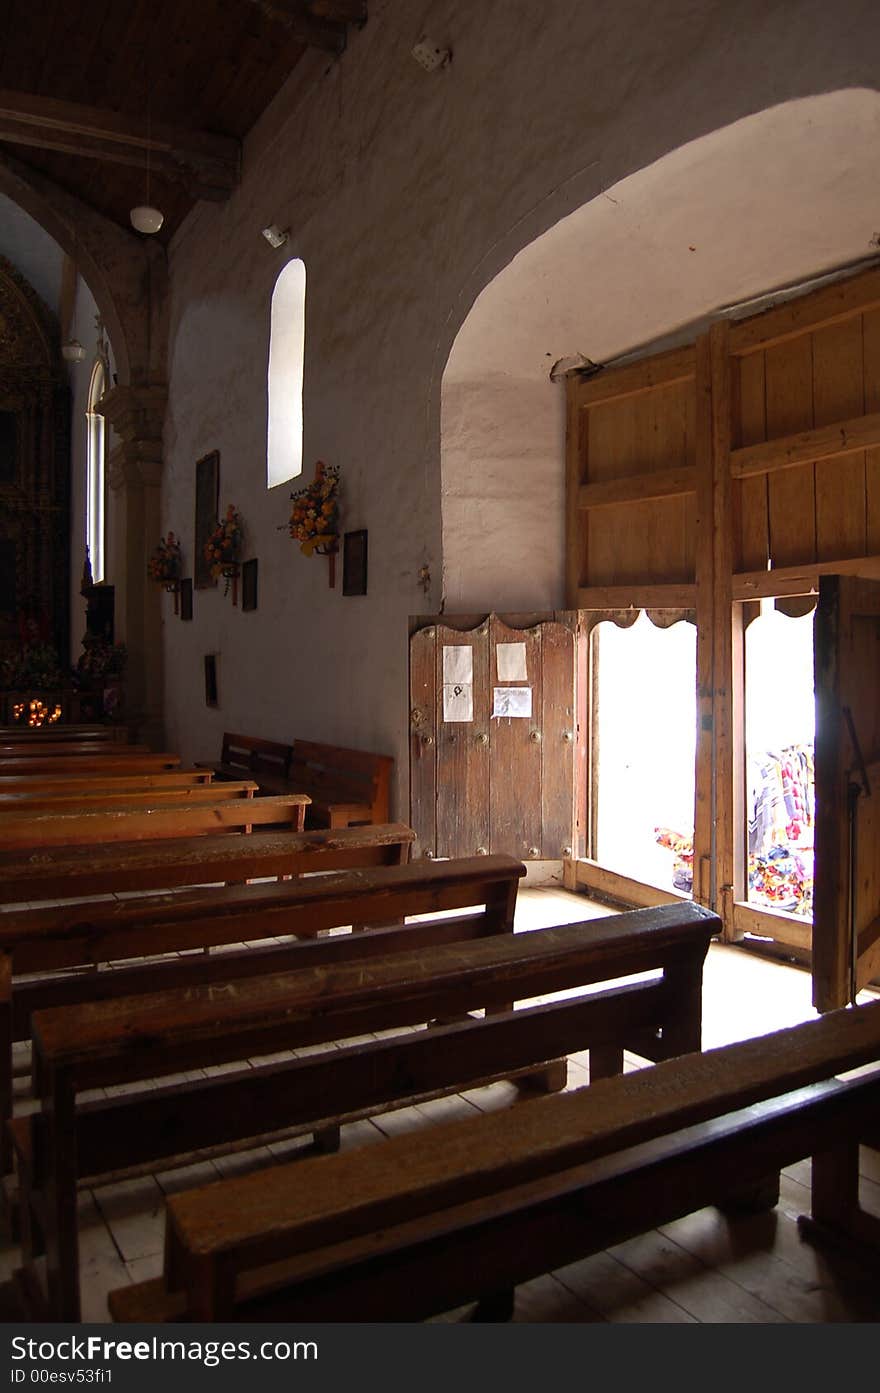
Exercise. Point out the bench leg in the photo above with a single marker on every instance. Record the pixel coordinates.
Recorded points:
(326, 1140)
(551, 1079)
(605, 1061)
(757, 1198)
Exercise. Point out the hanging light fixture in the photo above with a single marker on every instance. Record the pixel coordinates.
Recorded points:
(145, 218)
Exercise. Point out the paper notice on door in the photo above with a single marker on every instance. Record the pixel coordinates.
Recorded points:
(458, 682)
(512, 701)
(510, 662)
(458, 663)
(458, 701)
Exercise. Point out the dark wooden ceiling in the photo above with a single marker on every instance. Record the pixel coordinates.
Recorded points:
(206, 67)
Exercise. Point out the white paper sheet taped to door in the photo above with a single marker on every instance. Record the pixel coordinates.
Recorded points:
(458, 663)
(511, 701)
(458, 701)
(510, 662)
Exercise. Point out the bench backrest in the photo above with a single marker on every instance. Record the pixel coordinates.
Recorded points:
(95, 794)
(110, 761)
(333, 774)
(30, 735)
(55, 749)
(74, 783)
(254, 755)
(55, 873)
(446, 1179)
(59, 936)
(22, 830)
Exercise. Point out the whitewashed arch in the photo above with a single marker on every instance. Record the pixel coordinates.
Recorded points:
(774, 199)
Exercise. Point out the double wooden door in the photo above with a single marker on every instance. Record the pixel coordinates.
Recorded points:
(494, 746)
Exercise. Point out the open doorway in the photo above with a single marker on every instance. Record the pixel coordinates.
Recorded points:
(643, 731)
(779, 750)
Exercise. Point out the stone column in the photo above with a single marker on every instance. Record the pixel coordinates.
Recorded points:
(136, 415)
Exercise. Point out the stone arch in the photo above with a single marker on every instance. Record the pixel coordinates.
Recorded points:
(776, 198)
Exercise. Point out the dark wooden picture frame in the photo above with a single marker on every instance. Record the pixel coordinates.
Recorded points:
(211, 692)
(186, 598)
(354, 562)
(249, 578)
(207, 510)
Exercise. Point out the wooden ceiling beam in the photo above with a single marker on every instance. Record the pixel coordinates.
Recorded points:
(303, 21)
(209, 165)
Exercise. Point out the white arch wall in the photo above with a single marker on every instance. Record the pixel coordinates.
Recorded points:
(406, 193)
(775, 198)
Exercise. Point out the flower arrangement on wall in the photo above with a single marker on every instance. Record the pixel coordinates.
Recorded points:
(223, 550)
(165, 566)
(314, 515)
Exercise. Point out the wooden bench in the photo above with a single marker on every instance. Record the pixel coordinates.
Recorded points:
(347, 787)
(82, 782)
(120, 1040)
(23, 831)
(94, 793)
(111, 762)
(57, 749)
(66, 873)
(428, 1221)
(248, 756)
(43, 735)
(49, 940)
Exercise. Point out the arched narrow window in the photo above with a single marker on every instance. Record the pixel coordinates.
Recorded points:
(95, 471)
(286, 349)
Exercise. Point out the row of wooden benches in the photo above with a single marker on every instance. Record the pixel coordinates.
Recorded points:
(440, 1219)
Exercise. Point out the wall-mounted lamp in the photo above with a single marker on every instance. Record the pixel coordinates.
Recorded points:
(275, 236)
(73, 351)
(430, 55)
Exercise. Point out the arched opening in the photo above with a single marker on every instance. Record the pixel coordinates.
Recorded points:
(772, 200)
(285, 375)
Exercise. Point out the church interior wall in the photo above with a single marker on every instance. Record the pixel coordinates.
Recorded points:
(405, 193)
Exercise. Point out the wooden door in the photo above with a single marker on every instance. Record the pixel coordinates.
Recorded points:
(846, 927)
(493, 736)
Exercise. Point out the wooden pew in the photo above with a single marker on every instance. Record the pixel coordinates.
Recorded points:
(94, 793)
(74, 783)
(27, 766)
(56, 749)
(45, 942)
(48, 735)
(59, 873)
(121, 1040)
(428, 1221)
(347, 787)
(24, 831)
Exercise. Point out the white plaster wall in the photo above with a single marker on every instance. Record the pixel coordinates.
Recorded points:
(406, 193)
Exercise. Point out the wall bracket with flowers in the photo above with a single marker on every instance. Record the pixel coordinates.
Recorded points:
(165, 566)
(314, 516)
(223, 550)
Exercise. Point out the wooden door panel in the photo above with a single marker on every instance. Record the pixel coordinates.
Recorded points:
(847, 882)
(515, 756)
(559, 742)
(495, 783)
(463, 752)
(423, 740)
